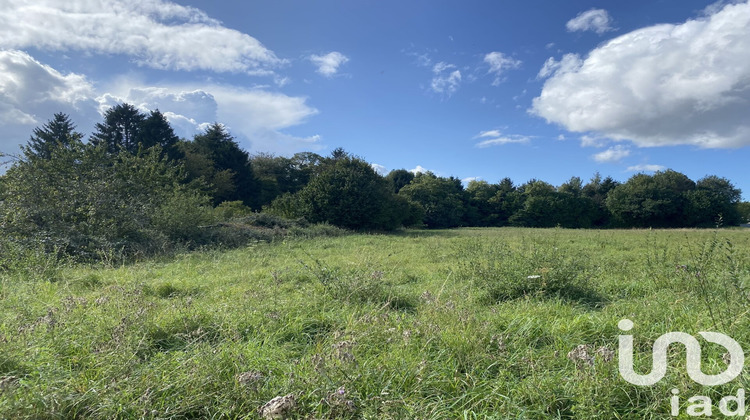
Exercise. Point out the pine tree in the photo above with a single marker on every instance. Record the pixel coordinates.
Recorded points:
(58, 132)
(121, 129)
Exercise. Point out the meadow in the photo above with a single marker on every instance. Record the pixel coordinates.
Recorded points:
(470, 323)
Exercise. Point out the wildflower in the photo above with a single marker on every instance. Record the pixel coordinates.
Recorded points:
(338, 402)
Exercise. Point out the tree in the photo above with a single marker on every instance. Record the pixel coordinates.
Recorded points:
(348, 193)
(660, 200)
(443, 199)
(279, 175)
(156, 131)
(597, 190)
(506, 201)
(399, 178)
(714, 201)
(575, 209)
(744, 211)
(540, 205)
(58, 132)
(481, 208)
(87, 202)
(121, 129)
(215, 156)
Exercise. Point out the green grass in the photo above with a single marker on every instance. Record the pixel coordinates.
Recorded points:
(421, 324)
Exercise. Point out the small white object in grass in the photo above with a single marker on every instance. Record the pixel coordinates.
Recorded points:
(535, 276)
(278, 408)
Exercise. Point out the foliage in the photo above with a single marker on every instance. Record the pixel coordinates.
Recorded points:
(670, 199)
(399, 178)
(58, 132)
(121, 129)
(743, 209)
(83, 201)
(215, 157)
(443, 199)
(278, 175)
(347, 193)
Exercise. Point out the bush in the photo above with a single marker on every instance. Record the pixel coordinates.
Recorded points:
(84, 202)
(503, 273)
(348, 193)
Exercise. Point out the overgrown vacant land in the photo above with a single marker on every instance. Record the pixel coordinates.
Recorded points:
(467, 323)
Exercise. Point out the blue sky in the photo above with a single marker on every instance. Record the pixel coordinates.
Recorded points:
(473, 89)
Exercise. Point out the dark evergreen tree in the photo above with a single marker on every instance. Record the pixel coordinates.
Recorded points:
(121, 129)
(597, 190)
(216, 156)
(155, 130)
(58, 132)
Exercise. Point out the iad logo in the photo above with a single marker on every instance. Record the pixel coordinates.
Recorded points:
(700, 405)
(693, 363)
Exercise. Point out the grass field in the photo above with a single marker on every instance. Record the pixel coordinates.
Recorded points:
(455, 324)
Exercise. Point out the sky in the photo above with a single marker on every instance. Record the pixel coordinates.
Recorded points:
(471, 89)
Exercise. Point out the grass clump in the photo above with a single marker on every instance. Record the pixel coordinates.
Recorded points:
(503, 272)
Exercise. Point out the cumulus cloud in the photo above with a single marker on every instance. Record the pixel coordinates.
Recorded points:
(596, 20)
(496, 138)
(380, 169)
(328, 65)
(419, 170)
(569, 62)
(256, 117)
(613, 154)
(660, 85)
(646, 168)
(444, 80)
(155, 33)
(498, 63)
(31, 92)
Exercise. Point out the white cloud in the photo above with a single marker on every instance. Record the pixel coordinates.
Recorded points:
(380, 169)
(496, 138)
(31, 92)
(328, 65)
(155, 33)
(646, 168)
(661, 85)
(419, 170)
(441, 67)
(500, 62)
(596, 20)
(445, 83)
(488, 133)
(256, 117)
(467, 180)
(569, 62)
(613, 154)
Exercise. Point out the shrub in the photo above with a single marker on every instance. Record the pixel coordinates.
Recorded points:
(503, 273)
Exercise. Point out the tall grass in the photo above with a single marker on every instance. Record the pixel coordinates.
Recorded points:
(429, 325)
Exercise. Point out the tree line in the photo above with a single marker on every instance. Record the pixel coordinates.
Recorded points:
(135, 186)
